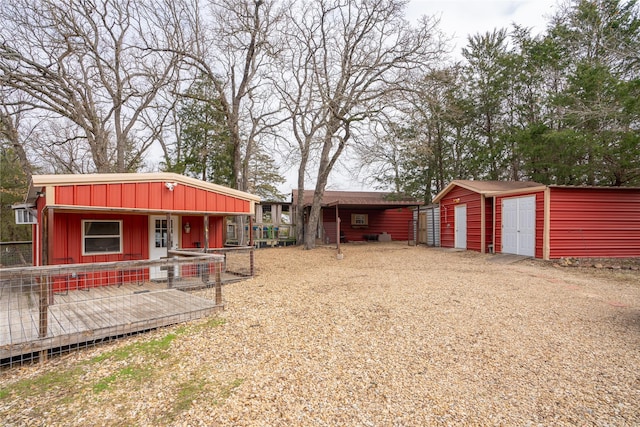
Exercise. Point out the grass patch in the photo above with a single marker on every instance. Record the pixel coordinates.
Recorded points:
(226, 390)
(64, 380)
(126, 373)
(214, 322)
(187, 393)
(156, 347)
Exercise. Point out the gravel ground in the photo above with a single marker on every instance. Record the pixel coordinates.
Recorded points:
(391, 335)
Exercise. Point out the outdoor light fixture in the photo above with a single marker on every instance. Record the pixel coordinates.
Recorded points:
(187, 228)
(170, 185)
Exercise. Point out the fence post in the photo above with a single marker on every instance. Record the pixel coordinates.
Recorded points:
(251, 262)
(218, 268)
(43, 324)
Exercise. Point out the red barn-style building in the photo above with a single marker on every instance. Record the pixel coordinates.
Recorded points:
(364, 215)
(548, 222)
(119, 217)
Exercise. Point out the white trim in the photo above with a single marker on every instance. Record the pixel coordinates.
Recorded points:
(121, 236)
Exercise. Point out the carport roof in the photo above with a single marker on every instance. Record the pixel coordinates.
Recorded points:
(489, 188)
(357, 198)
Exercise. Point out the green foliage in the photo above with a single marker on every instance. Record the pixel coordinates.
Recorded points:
(204, 150)
(263, 177)
(560, 108)
(13, 189)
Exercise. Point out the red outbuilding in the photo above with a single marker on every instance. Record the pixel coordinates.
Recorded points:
(363, 215)
(119, 217)
(527, 218)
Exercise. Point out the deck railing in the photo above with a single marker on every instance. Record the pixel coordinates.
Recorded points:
(54, 309)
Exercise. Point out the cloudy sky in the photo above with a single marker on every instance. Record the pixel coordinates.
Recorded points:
(459, 18)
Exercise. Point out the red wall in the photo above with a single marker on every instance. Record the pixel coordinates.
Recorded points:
(461, 196)
(395, 222)
(539, 221)
(592, 222)
(148, 195)
(67, 235)
(216, 227)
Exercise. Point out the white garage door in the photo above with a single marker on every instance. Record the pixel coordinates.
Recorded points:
(519, 225)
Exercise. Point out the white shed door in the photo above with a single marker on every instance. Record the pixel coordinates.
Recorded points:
(519, 225)
(460, 222)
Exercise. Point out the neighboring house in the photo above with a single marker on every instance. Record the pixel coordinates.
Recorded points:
(273, 225)
(119, 217)
(363, 216)
(548, 222)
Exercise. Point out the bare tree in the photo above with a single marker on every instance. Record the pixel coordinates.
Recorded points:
(87, 62)
(358, 51)
(228, 43)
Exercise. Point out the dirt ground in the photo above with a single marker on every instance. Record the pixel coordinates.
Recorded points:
(391, 335)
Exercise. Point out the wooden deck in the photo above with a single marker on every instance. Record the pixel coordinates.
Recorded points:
(81, 316)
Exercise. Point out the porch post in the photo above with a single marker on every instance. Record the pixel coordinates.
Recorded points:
(170, 268)
(206, 233)
(44, 291)
(337, 229)
(169, 234)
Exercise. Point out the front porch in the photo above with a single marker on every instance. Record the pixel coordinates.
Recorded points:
(49, 310)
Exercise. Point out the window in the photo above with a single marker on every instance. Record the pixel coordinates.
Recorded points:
(285, 216)
(25, 216)
(266, 213)
(231, 231)
(360, 220)
(101, 237)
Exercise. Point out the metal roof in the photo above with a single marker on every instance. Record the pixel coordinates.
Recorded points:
(356, 198)
(40, 181)
(490, 188)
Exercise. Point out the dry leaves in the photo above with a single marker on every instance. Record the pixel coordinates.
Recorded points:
(390, 335)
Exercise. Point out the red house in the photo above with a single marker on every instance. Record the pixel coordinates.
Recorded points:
(527, 218)
(118, 217)
(363, 215)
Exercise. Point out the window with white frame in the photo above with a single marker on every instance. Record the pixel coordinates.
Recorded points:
(26, 216)
(101, 237)
(360, 220)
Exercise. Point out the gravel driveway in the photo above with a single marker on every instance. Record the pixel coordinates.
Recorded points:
(394, 335)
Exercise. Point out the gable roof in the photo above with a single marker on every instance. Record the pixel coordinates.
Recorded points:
(490, 188)
(356, 198)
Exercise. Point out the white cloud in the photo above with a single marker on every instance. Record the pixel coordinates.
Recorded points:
(461, 18)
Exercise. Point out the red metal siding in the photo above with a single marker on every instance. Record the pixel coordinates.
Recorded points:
(587, 222)
(539, 221)
(395, 222)
(149, 195)
(488, 223)
(189, 240)
(456, 197)
(67, 246)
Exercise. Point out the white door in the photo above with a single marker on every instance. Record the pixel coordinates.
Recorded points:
(519, 225)
(158, 239)
(460, 222)
(509, 226)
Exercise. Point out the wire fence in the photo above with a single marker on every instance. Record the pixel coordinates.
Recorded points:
(51, 310)
(13, 254)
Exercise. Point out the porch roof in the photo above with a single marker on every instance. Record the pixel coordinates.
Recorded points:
(380, 200)
(139, 193)
(38, 182)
